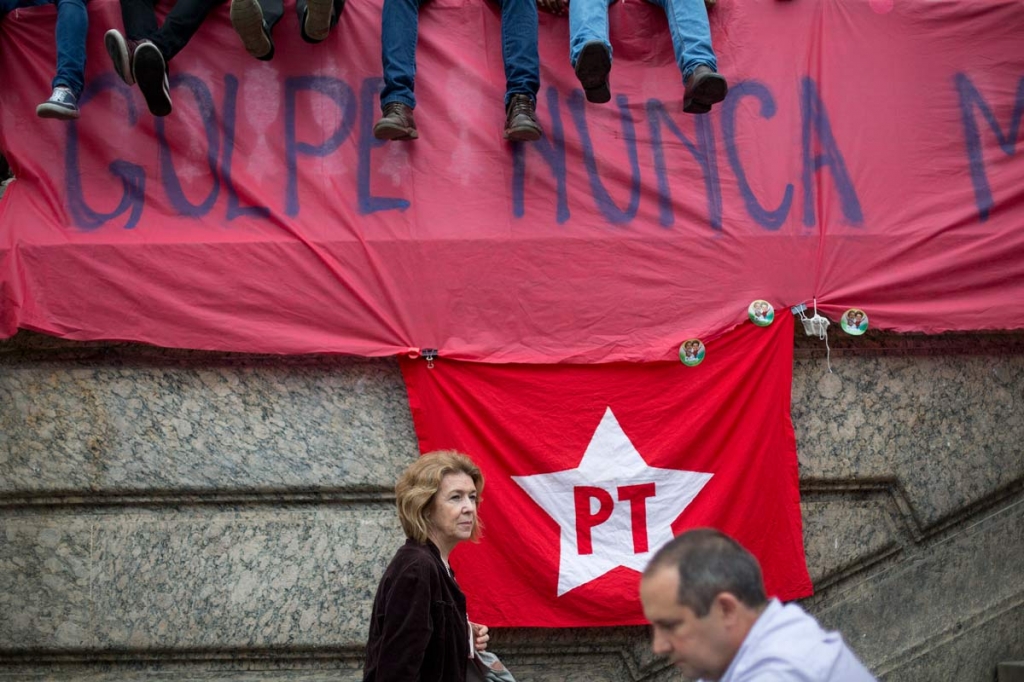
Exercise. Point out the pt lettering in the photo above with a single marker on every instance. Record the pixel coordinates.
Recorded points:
(588, 518)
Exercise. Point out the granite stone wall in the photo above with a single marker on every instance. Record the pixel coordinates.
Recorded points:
(172, 515)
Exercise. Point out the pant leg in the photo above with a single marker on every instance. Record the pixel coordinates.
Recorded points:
(691, 33)
(139, 18)
(273, 10)
(588, 23)
(519, 47)
(72, 26)
(181, 24)
(399, 29)
(300, 8)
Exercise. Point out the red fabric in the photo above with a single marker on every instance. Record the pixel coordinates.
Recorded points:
(913, 106)
(727, 417)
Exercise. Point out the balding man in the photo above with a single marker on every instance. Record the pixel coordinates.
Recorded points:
(704, 596)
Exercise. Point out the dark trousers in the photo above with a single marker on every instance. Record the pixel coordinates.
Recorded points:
(182, 22)
(273, 10)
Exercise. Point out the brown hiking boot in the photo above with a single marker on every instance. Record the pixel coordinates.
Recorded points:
(703, 88)
(247, 20)
(396, 123)
(316, 24)
(521, 120)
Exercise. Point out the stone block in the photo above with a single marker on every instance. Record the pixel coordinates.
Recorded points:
(128, 424)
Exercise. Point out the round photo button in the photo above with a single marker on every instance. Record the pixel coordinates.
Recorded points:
(854, 322)
(761, 313)
(691, 352)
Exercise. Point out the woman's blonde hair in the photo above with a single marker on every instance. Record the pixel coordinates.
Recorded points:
(419, 483)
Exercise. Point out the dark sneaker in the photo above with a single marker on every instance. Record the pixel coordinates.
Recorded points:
(396, 124)
(121, 51)
(317, 23)
(247, 20)
(62, 104)
(521, 119)
(703, 88)
(592, 68)
(150, 71)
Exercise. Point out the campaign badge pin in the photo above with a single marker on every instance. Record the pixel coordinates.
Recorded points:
(761, 313)
(691, 352)
(854, 322)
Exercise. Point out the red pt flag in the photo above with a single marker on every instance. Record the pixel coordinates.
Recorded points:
(591, 468)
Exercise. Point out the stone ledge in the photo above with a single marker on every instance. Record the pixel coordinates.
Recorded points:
(1010, 671)
(873, 342)
(893, 344)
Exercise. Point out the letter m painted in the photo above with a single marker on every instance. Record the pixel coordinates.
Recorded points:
(971, 99)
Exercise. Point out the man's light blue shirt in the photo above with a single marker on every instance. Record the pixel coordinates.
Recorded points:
(787, 645)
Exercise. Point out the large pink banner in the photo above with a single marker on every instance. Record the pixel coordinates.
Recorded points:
(866, 156)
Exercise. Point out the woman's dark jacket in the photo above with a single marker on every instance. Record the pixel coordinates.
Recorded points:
(418, 630)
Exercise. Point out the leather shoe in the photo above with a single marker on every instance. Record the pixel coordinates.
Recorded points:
(521, 119)
(703, 88)
(396, 124)
(592, 68)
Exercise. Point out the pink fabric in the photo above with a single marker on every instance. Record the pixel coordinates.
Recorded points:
(279, 225)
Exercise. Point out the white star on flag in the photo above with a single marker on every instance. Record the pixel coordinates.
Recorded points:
(625, 507)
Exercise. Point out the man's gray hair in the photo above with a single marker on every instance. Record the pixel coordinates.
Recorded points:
(709, 563)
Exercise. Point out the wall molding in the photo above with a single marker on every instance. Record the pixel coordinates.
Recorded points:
(77, 500)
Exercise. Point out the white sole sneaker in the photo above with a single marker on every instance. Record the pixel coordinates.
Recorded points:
(117, 48)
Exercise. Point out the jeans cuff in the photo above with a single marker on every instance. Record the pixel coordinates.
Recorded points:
(398, 98)
(61, 83)
(531, 95)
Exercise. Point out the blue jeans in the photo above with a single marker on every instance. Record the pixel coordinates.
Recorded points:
(687, 23)
(588, 23)
(72, 26)
(400, 28)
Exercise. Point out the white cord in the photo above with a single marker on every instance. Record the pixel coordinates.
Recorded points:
(817, 325)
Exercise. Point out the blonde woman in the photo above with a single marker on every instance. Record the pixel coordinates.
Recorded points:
(419, 629)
